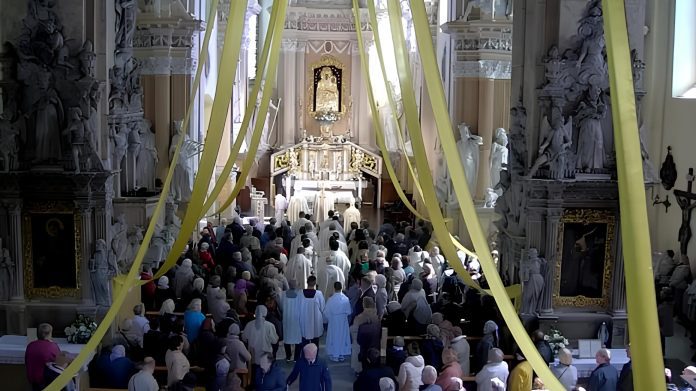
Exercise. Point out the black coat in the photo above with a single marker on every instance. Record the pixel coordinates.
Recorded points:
(626, 378)
(369, 336)
(368, 380)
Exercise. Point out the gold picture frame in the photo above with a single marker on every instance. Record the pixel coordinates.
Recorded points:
(584, 259)
(52, 263)
(330, 61)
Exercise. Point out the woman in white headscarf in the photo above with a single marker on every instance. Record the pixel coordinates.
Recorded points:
(167, 318)
(488, 342)
(437, 260)
(381, 294)
(163, 291)
(183, 277)
(398, 275)
(260, 335)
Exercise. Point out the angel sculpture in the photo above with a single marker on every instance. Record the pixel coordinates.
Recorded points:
(555, 147)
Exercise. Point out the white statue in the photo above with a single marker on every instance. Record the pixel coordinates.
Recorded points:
(119, 241)
(468, 147)
(532, 282)
(312, 169)
(181, 182)
(441, 178)
(339, 164)
(293, 161)
(649, 172)
(101, 271)
(134, 240)
(499, 157)
(147, 157)
(557, 142)
(491, 198)
(47, 114)
(6, 273)
(119, 134)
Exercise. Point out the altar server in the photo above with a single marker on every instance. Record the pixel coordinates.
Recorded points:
(297, 204)
(336, 315)
(339, 258)
(281, 203)
(290, 305)
(332, 275)
(311, 312)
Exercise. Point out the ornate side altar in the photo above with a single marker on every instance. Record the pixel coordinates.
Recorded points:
(331, 163)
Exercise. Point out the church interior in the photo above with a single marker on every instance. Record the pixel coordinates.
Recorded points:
(405, 194)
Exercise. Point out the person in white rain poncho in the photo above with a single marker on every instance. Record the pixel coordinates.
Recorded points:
(339, 258)
(281, 203)
(437, 260)
(417, 257)
(326, 235)
(336, 315)
(260, 335)
(298, 204)
(299, 268)
(183, 277)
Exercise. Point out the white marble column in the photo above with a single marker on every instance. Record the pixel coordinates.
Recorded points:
(553, 221)
(14, 209)
(300, 79)
(287, 91)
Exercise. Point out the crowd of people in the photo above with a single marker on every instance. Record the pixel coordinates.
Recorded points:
(219, 318)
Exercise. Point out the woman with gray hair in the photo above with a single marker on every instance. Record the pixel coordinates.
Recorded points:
(415, 307)
(193, 319)
(260, 335)
(564, 371)
(183, 277)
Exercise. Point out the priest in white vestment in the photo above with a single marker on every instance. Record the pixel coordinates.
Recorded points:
(297, 204)
(290, 306)
(336, 315)
(281, 203)
(311, 235)
(325, 224)
(311, 312)
(350, 215)
(339, 258)
(300, 221)
(325, 235)
(323, 203)
(333, 275)
(299, 268)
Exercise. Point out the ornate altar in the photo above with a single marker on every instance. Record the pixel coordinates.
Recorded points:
(333, 164)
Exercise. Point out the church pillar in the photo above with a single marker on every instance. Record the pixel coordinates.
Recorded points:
(486, 95)
(535, 229)
(618, 286)
(14, 209)
(84, 209)
(553, 219)
(299, 102)
(287, 91)
(480, 66)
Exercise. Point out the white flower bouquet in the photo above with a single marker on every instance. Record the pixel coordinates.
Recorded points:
(556, 340)
(81, 330)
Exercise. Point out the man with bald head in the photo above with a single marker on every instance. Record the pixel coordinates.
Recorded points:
(313, 372)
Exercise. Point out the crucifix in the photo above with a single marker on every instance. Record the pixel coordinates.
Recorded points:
(684, 199)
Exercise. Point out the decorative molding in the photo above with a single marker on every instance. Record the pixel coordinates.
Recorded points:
(324, 20)
(488, 69)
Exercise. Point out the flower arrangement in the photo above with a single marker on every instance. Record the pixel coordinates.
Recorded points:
(327, 116)
(556, 340)
(81, 330)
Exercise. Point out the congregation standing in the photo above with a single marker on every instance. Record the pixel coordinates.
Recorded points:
(309, 284)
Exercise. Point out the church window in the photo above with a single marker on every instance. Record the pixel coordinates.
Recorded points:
(684, 50)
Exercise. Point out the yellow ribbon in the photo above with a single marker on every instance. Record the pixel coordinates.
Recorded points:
(132, 277)
(216, 127)
(262, 68)
(444, 127)
(380, 136)
(640, 292)
(270, 80)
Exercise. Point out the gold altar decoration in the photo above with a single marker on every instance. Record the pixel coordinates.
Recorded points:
(52, 237)
(327, 93)
(585, 238)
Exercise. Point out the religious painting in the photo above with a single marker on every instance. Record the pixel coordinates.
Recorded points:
(584, 258)
(327, 90)
(51, 236)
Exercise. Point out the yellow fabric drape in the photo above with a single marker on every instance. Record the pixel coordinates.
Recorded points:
(643, 327)
(216, 127)
(248, 113)
(433, 83)
(132, 277)
(269, 84)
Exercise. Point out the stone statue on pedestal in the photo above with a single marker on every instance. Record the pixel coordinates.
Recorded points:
(499, 157)
(6, 273)
(491, 198)
(101, 271)
(119, 137)
(119, 241)
(555, 148)
(9, 146)
(46, 114)
(590, 112)
(147, 157)
(468, 147)
(181, 182)
(532, 282)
